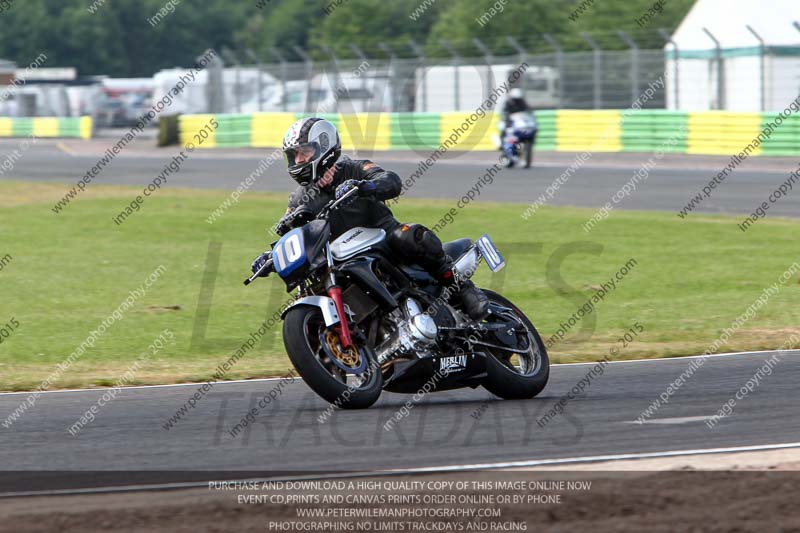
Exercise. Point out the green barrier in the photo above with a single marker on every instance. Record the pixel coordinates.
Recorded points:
(637, 131)
(234, 130)
(655, 131)
(785, 137)
(69, 127)
(546, 138)
(22, 127)
(410, 131)
(46, 127)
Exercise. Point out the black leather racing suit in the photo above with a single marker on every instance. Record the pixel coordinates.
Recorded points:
(514, 105)
(414, 243)
(368, 212)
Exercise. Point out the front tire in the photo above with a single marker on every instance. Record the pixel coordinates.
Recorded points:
(525, 380)
(302, 328)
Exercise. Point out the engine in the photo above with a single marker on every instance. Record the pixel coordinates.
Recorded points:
(414, 335)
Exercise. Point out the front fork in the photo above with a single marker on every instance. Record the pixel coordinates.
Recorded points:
(335, 293)
(509, 148)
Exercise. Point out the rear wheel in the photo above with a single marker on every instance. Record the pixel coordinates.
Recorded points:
(524, 373)
(332, 372)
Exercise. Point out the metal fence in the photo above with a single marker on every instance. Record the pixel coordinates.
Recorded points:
(607, 70)
(578, 80)
(610, 70)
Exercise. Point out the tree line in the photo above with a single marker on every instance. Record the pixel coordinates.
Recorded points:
(119, 37)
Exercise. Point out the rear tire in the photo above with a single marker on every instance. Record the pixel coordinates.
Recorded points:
(301, 328)
(513, 383)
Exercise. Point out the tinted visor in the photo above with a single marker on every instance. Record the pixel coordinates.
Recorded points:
(301, 155)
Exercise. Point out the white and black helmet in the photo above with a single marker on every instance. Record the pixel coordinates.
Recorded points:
(319, 141)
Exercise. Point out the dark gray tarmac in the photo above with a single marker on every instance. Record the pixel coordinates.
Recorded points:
(463, 427)
(669, 186)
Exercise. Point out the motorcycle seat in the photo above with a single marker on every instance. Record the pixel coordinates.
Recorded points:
(456, 248)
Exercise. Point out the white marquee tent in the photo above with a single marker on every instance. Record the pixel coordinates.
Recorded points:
(741, 73)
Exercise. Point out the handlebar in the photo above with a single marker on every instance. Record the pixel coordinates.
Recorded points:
(333, 204)
(266, 266)
(324, 212)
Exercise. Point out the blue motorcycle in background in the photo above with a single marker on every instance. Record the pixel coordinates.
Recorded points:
(518, 138)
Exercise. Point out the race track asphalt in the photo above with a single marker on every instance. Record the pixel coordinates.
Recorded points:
(463, 427)
(672, 182)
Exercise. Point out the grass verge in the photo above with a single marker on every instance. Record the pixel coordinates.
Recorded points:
(68, 272)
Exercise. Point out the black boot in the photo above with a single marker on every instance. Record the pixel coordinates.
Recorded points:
(473, 300)
(440, 265)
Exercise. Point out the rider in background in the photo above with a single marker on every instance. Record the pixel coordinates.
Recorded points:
(515, 103)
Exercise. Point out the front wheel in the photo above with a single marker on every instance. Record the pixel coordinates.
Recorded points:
(312, 348)
(524, 373)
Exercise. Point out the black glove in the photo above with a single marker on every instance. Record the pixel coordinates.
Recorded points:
(296, 218)
(365, 188)
(260, 261)
(282, 227)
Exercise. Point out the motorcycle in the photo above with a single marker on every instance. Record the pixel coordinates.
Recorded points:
(363, 322)
(518, 137)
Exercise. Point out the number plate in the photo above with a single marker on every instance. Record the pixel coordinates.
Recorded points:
(289, 253)
(490, 253)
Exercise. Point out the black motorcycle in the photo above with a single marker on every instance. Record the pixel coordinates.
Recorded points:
(364, 322)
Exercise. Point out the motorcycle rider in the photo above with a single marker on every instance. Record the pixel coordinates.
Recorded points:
(515, 103)
(312, 149)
